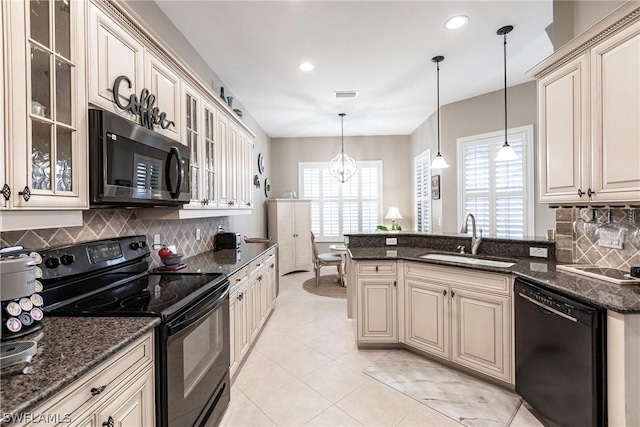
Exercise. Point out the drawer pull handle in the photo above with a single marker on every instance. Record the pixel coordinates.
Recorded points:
(580, 193)
(376, 268)
(109, 423)
(97, 390)
(453, 294)
(590, 193)
(444, 293)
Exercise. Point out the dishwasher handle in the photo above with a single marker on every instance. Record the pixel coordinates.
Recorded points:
(547, 308)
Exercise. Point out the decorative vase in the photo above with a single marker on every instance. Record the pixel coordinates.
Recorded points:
(230, 101)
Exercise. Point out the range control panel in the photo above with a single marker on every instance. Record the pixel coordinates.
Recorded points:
(85, 257)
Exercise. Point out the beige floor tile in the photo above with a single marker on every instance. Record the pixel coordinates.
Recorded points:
(260, 380)
(292, 405)
(301, 361)
(524, 418)
(333, 346)
(375, 404)
(424, 416)
(242, 412)
(276, 345)
(334, 381)
(255, 358)
(283, 321)
(333, 417)
(334, 323)
(308, 332)
(358, 359)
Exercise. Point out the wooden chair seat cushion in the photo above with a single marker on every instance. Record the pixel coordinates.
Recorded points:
(329, 257)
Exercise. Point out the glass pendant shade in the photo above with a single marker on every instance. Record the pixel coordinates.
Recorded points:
(506, 153)
(439, 162)
(342, 167)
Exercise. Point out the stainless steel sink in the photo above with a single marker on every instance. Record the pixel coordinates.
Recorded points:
(467, 260)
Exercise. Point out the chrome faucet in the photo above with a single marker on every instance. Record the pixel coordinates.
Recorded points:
(475, 241)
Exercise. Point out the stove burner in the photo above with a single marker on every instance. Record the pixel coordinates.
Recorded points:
(96, 302)
(140, 301)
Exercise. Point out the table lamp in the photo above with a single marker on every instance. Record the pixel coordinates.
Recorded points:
(393, 214)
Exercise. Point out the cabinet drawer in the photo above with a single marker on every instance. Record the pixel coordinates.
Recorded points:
(78, 398)
(270, 257)
(382, 268)
(256, 265)
(237, 277)
(467, 277)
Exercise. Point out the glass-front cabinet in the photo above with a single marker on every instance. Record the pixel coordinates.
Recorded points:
(49, 108)
(209, 158)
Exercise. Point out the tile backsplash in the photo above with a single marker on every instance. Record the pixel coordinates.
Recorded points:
(108, 223)
(579, 243)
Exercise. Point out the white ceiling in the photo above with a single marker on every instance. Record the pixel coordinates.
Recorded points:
(383, 49)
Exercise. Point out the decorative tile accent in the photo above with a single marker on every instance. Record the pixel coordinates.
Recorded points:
(109, 223)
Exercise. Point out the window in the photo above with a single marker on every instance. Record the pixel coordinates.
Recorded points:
(422, 180)
(337, 209)
(498, 194)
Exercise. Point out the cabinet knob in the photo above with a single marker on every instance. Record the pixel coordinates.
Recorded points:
(376, 268)
(395, 283)
(580, 193)
(453, 294)
(6, 192)
(590, 193)
(26, 194)
(444, 292)
(97, 390)
(109, 422)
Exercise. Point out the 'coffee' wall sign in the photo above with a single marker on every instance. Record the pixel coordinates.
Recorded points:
(143, 107)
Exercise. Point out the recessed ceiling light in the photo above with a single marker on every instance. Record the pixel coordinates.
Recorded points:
(456, 22)
(306, 66)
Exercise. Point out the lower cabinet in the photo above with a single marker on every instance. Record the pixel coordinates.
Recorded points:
(252, 297)
(427, 316)
(119, 392)
(377, 313)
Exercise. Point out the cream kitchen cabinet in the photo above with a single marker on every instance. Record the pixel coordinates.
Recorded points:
(3, 149)
(224, 164)
(120, 389)
(113, 52)
(376, 285)
(461, 315)
(47, 124)
(251, 300)
(164, 83)
(290, 225)
(193, 138)
(588, 115)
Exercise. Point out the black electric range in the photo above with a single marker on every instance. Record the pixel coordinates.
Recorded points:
(111, 278)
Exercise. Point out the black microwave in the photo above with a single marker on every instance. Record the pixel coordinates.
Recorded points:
(132, 166)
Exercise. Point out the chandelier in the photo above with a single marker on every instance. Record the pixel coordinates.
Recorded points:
(342, 167)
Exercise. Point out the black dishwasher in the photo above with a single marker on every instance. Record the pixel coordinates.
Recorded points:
(560, 356)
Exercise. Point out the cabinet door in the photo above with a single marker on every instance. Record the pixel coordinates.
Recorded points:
(192, 137)
(49, 104)
(285, 212)
(233, 331)
(563, 118)
(253, 308)
(377, 310)
(615, 93)
(233, 161)
(224, 159)
(243, 326)
(272, 284)
(164, 83)
(481, 332)
(245, 174)
(427, 316)
(4, 183)
(303, 235)
(249, 168)
(112, 53)
(263, 281)
(209, 156)
(134, 406)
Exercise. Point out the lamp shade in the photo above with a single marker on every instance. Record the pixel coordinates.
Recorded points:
(439, 162)
(506, 153)
(394, 213)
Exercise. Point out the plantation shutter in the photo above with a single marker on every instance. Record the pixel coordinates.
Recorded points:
(422, 179)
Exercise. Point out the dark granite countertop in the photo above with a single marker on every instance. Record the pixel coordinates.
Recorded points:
(226, 261)
(620, 298)
(68, 348)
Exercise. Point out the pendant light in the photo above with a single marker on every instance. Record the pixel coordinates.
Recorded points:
(506, 152)
(438, 161)
(342, 167)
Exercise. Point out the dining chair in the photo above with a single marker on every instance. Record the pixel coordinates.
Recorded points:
(325, 259)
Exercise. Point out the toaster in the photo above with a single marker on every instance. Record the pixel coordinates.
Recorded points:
(225, 240)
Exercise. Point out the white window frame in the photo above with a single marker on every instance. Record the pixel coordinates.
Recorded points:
(425, 157)
(325, 165)
(526, 132)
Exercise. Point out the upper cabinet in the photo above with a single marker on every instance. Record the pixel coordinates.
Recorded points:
(47, 160)
(164, 83)
(589, 115)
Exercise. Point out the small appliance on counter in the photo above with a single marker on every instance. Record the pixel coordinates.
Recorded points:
(20, 300)
(227, 240)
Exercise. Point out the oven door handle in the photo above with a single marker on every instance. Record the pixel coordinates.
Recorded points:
(198, 313)
(174, 152)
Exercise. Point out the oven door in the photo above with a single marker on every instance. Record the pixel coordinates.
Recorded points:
(197, 362)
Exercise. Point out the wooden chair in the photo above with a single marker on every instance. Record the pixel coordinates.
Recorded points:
(325, 259)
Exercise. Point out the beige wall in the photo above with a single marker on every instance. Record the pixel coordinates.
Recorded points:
(571, 18)
(392, 150)
(253, 225)
(481, 114)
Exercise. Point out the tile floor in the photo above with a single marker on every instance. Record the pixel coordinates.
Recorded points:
(305, 369)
